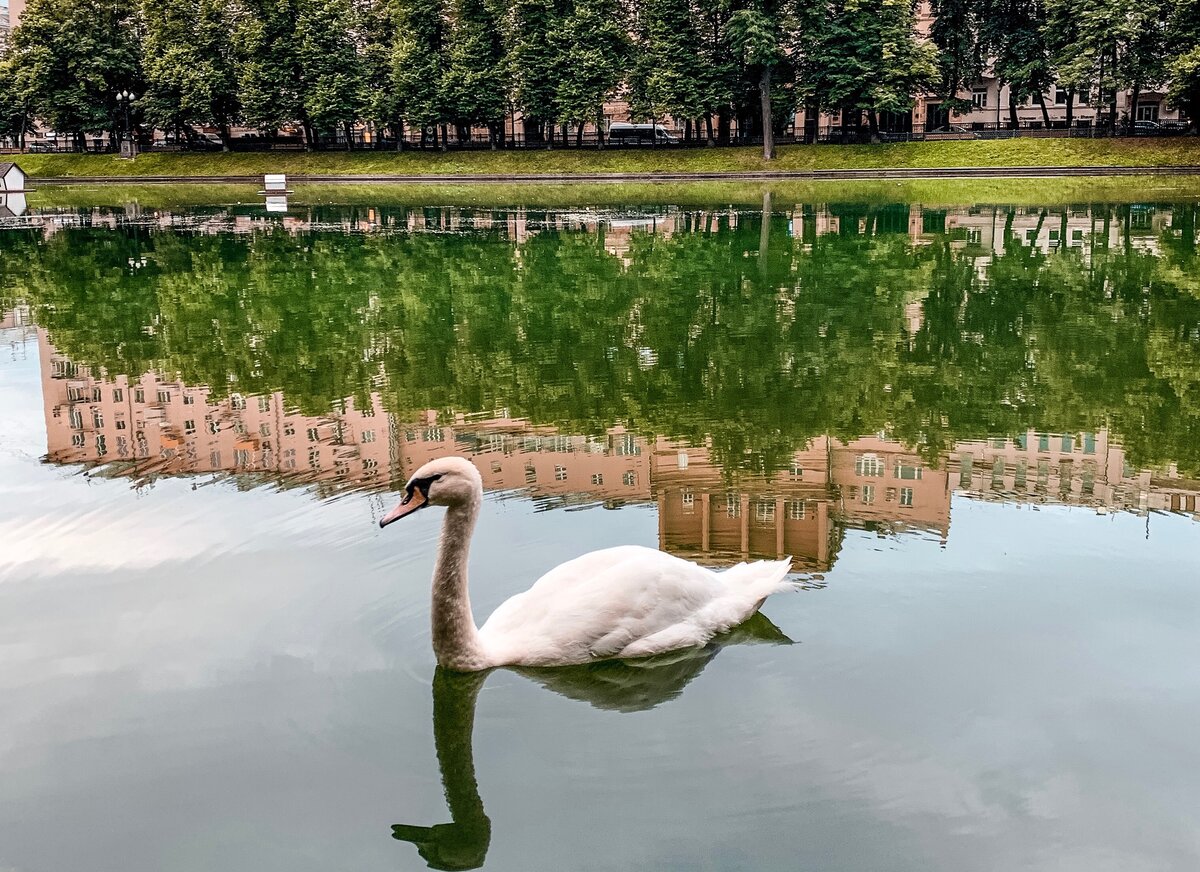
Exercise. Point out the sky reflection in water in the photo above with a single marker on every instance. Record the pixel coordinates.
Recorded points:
(213, 658)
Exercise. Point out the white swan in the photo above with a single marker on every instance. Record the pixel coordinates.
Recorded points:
(620, 602)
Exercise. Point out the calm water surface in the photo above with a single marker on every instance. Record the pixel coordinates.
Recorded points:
(976, 431)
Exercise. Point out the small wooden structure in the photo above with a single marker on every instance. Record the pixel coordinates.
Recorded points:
(12, 179)
(275, 185)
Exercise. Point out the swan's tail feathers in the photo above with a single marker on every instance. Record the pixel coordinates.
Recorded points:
(762, 578)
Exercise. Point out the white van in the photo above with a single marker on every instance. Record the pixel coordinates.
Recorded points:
(623, 131)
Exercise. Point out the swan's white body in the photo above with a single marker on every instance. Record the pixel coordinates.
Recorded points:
(621, 602)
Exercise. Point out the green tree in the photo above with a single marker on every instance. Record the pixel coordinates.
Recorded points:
(74, 56)
(1012, 32)
(955, 32)
(331, 85)
(533, 63)
(190, 70)
(1183, 42)
(475, 83)
(270, 78)
(419, 64)
(592, 44)
(375, 24)
(667, 75)
(755, 35)
(16, 103)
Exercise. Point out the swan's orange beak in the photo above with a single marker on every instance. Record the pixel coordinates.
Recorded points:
(411, 502)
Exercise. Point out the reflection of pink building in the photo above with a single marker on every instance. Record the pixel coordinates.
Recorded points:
(163, 427)
(883, 482)
(512, 454)
(705, 513)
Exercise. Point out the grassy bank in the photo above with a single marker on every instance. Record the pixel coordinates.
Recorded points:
(998, 153)
(953, 192)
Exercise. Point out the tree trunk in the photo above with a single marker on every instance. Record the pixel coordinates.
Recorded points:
(348, 130)
(445, 136)
(1070, 108)
(1013, 121)
(1133, 101)
(768, 128)
(723, 126)
(873, 124)
(687, 130)
(708, 129)
(600, 129)
(1041, 99)
(226, 137)
(398, 128)
(566, 132)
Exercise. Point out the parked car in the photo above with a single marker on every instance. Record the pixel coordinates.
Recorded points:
(621, 131)
(952, 131)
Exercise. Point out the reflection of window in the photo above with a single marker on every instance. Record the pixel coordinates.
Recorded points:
(189, 400)
(629, 479)
(214, 427)
(868, 493)
(906, 496)
(626, 445)
(560, 473)
(681, 460)
(530, 475)
(289, 429)
(118, 395)
(908, 471)
(796, 510)
(688, 500)
(1020, 441)
(214, 459)
(264, 429)
(369, 436)
(1043, 442)
(999, 443)
(733, 505)
(597, 478)
(164, 396)
(120, 422)
(1068, 444)
(139, 395)
(314, 434)
(1019, 479)
(76, 418)
(77, 440)
(797, 470)
(101, 444)
(868, 465)
(241, 458)
(237, 402)
(314, 458)
(966, 462)
(764, 511)
(264, 404)
(1089, 443)
(97, 418)
(433, 434)
(998, 473)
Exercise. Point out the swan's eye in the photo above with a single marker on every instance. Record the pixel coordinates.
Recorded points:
(421, 484)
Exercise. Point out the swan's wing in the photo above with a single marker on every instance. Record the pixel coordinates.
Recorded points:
(597, 605)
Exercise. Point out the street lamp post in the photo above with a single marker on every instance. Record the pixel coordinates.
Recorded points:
(128, 142)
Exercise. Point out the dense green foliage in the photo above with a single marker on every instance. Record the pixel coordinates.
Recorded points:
(457, 65)
(758, 336)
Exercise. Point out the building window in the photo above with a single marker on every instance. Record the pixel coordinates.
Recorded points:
(118, 395)
(681, 460)
(264, 404)
(1068, 444)
(1019, 478)
(733, 505)
(1043, 442)
(314, 434)
(906, 495)
(289, 429)
(241, 458)
(979, 98)
(797, 470)
(164, 396)
(530, 475)
(76, 418)
(560, 473)
(139, 395)
(626, 445)
(1060, 96)
(264, 429)
(597, 478)
(314, 458)
(629, 479)
(189, 400)
(97, 418)
(908, 471)
(77, 440)
(764, 511)
(1089, 443)
(796, 510)
(120, 422)
(868, 465)
(433, 434)
(688, 500)
(101, 445)
(1147, 112)
(237, 402)
(214, 459)
(368, 435)
(868, 493)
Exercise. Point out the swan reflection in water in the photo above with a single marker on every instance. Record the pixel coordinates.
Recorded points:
(614, 685)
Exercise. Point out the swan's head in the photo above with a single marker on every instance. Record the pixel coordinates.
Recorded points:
(447, 481)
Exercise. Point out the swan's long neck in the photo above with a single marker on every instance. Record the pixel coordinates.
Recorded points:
(455, 638)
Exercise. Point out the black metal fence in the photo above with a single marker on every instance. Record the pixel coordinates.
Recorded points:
(479, 140)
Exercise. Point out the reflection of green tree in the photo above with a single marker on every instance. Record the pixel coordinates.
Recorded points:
(726, 329)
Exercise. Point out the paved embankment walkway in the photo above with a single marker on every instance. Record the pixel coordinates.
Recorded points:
(752, 176)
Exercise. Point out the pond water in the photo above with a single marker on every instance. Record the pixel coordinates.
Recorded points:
(975, 430)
